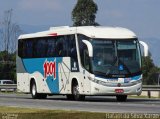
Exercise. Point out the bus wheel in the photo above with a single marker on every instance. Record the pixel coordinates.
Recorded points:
(75, 92)
(70, 97)
(121, 98)
(42, 96)
(34, 93)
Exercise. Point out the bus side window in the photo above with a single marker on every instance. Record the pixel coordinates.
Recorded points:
(72, 48)
(40, 48)
(50, 47)
(28, 48)
(66, 46)
(59, 46)
(21, 48)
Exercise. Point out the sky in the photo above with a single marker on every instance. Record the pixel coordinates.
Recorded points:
(141, 16)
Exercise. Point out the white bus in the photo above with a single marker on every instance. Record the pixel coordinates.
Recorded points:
(80, 61)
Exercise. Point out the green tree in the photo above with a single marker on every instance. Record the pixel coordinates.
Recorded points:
(9, 32)
(149, 70)
(8, 67)
(84, 13)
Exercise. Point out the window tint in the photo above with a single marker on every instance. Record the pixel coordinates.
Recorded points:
(25, 48)
(72, 47)
(40, 48)
(61, 46)
(50, 49)
(20, 48)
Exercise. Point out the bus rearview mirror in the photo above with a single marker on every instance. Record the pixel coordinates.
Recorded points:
(89, 46)
(145, 48)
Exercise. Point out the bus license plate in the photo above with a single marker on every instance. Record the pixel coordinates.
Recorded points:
(119, 90)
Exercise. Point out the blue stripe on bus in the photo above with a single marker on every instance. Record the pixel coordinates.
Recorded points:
(36, 65)
(136, 77)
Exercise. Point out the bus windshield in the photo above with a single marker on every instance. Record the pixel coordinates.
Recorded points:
(116, 58)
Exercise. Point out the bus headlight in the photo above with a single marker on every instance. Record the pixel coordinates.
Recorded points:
(136, 81)
(93, 79)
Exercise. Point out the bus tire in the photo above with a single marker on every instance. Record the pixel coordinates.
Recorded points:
(42, 96)
(34, 93)
(121, 98)
(70, 97)
(75, 93)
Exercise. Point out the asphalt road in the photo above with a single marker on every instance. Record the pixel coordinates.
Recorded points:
(92, 104)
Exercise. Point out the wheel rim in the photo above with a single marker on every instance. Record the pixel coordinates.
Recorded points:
(34, 89)
(76, 90)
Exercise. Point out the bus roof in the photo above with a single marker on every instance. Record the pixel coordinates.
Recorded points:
(90, 31)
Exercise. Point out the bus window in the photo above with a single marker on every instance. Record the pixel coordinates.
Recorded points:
(21, 48)
(50, 50)
(72, 53)
(59, 47)
(72, 48)
(40, 48)
(28, 48)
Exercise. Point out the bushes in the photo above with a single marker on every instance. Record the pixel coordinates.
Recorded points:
(8, 65)
(149, 71)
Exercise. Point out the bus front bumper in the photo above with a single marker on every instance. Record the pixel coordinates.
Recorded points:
(97, 89)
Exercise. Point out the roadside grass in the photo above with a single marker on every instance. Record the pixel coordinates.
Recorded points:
(142, 96)
(4, 109)
(31, 113)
